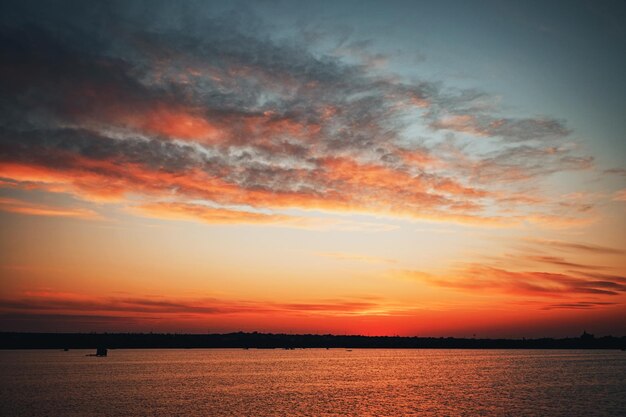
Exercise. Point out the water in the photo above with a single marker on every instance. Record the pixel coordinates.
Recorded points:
(313, 382)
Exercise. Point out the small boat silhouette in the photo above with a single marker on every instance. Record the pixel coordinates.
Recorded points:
(100, 352)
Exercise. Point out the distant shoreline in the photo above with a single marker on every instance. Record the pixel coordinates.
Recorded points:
(18, 340)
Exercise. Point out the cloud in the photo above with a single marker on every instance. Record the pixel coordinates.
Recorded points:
(211, 215)
(215, 109)
(517, 163)
(581, 305)
(103, 168)
(558, 261)
(225, 216)
(13, 205)
(604, 276)
(477, 278)
(577, 247)
(515, 130)
(362, 50)
(616, 171)
(74, 304)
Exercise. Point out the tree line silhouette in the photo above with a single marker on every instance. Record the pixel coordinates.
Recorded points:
(14, 340)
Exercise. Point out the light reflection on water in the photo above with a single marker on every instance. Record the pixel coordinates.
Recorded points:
(312, 382)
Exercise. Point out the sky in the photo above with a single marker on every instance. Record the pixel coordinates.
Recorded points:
(419, 168)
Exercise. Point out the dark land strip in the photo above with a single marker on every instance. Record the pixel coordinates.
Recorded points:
(13, 340)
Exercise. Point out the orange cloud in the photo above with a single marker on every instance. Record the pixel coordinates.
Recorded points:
(108, 180)
(559, 222)
(346, 185)
(212, 215)
(42, 302)
(418, 157)
(109, 107)
(173, 123)
(13, 205)
(476, 278)
(338, 185)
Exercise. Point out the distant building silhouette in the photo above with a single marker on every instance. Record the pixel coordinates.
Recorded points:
(587, 336)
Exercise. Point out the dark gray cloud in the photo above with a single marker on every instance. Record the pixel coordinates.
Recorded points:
(64, 147)
(616, 171)
(509, 129)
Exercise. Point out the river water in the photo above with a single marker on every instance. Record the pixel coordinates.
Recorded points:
(313, 382)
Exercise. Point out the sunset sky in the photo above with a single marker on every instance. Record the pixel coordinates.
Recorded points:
(430, 168)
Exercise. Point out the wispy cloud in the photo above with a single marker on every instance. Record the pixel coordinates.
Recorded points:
(558, 261)
(616, 171)
(225, 216)
(515, 130)
(18, 206)
(577, 247)
(72, 304)
(485, 279)
(581, 305)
